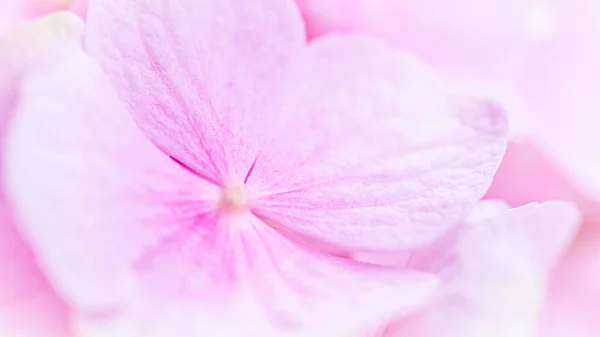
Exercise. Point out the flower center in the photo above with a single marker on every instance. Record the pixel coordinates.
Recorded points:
(233, 198)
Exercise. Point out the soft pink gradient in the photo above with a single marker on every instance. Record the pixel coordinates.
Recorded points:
(29, 307)
(574, 302)
(560, 82)
(493, 270)
(528, 173)
(476, 46)
(189, 216)
(539, 59)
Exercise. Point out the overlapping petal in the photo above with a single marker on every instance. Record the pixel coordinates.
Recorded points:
(571, 299)
(493, 271)
(126, 232)
(238, 96)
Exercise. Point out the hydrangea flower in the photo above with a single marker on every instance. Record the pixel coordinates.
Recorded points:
(207, 171)
(539, 58)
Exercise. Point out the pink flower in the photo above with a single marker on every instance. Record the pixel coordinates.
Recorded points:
(539, 58)
(494, 270)
(247, 149)
(29, 307)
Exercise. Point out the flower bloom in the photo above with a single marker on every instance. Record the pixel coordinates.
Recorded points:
(539, 58)
(199, 167)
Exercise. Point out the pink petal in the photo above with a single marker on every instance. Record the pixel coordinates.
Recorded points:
(195, 74)
(478, 46)
(299, 126)
(364, 118)
(573, 301)
(257, 283)
(493, 272)
(29, 306)
(529, 173)
(123, 230)
(98, 191)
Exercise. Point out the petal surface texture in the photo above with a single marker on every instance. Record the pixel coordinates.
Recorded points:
(130, 234)
(230, 90)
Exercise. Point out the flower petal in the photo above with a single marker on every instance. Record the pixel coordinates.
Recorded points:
(530, 173)
(91, 191)
(265, 116)
(194, 73)
(573, 299)
(476, 45)
(263, 283)
(435, 30)
(492, 273)
(29, 306)
(371, 152)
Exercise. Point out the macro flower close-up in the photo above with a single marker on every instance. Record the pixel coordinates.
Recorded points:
(261, 168)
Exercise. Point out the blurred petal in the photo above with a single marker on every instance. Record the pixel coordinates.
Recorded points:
(560, 89)
(529, 173)
(477, 46)
(493, 273)
(573, 301)
(29, 306)
(365, 118)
